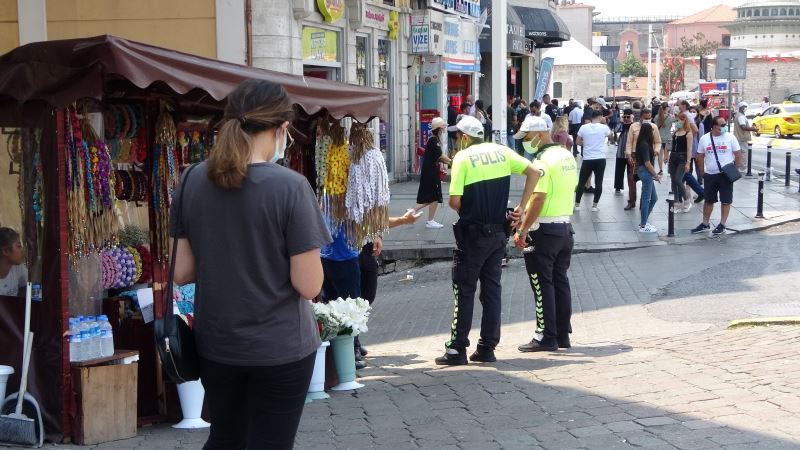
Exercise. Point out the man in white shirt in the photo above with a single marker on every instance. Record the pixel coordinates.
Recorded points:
(592, 137)
(536, 110)
(575, 122)
(715, 150)
(765, 104)
(742, 129)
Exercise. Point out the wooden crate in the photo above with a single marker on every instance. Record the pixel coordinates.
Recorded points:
(105, 399)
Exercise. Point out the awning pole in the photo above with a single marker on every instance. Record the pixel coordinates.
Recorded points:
(499, 57)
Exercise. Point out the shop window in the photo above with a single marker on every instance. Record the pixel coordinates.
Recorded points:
(558, 89)
(384, 47)
(757, 13)
(749, 13)
(783, 11)
(362, 61)
(791, 12)
(774, 12)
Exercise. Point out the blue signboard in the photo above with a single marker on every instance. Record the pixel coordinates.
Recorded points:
(545, 72)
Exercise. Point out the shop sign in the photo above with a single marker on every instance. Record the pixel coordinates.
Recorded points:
(420, 39)
(331, 10)
(426, 33)
(461, 47)
(376, 18)
(465, 8)
(320, 45)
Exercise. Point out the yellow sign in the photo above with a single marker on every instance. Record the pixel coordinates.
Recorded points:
(320, 44)
(394, 25)
(331, 10)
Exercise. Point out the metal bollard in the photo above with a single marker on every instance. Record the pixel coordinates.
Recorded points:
(769, 162)
(788, 168)
(749, 159)
(760, 206)
(671, 215)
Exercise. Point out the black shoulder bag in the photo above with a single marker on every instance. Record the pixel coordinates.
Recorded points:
(729, 171)
(174, 338)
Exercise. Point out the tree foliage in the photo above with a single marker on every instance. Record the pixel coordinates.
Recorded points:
(632, 67)
(673, 66)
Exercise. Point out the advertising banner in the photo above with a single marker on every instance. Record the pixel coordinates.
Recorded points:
(545, 73)
(320, 45)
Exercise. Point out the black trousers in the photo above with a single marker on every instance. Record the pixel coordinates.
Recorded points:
(573, 131)
(368, 268)
(475, 259)
(620, 169)
(255, 407)
(589, 166)
(342, 279)
(547, 261)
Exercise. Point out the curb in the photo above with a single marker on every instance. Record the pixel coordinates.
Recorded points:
(763, 321)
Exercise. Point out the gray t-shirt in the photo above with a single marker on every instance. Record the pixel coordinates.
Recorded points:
(246, 311)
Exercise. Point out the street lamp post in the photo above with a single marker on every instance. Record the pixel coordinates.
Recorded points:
(499, 87)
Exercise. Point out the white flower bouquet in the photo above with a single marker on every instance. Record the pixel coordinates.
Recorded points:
(328, 322)
(352, 315)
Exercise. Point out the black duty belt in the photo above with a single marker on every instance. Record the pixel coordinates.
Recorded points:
(473, 231)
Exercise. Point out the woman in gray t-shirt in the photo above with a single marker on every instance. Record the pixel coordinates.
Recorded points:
(250, 236)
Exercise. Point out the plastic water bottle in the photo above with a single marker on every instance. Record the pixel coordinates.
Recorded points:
(75, 348)
(107, 337)
(106, 343)
(96, 350)
(85, 345)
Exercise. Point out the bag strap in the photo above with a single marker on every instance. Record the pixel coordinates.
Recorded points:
(714, 146)
(168, 307)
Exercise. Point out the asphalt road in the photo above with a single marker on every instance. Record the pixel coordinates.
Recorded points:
(778, 162)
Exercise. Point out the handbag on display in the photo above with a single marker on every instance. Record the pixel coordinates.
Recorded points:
(174, 339)
(729, 171)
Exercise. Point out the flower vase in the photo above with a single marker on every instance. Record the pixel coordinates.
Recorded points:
(316, 390)
(345, 360)
(191, 395)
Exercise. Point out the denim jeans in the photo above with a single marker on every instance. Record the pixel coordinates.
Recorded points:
(648, 192)
(689, 179)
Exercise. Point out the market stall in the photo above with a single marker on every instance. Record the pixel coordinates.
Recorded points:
(105, 126)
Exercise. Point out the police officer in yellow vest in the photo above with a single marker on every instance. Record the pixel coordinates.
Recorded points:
(479, 188)
(548, 244)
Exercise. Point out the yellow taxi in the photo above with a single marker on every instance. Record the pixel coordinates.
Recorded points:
(780, 120)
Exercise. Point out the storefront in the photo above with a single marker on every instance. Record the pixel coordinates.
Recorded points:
(357, 42)
(448, 64)
(100, 160)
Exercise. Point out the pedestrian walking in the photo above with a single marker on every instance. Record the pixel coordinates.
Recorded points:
(621, 167)
(548, 245)
(679, 161)
(717, 149)
(592, 137)
(251, 237)
(645, 160)
(575, 122)
(664, 121)
(630, 151)
(429, 193)
(742, 129)
(479, 190)
(560, 132)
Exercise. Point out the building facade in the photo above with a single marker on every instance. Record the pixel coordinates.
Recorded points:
(578, 17)
(362, 42)
(623, 35)
(767, 25)
(577, 72)
(710, 22)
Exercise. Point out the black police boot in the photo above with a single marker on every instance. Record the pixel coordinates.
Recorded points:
(363, 350)
(452, 358)
(563, 342)
(483, 354)
(536, 346)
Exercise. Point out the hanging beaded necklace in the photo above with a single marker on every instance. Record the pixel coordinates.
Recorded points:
(165, 179)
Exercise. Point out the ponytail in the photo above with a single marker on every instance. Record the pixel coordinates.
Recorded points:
(254, 107)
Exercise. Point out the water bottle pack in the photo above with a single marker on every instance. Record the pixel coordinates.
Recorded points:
(90, 337)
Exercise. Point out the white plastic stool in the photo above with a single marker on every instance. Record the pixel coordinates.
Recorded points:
(5, 372)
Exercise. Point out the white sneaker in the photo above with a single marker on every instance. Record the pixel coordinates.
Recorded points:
(432, 224)
(687, 207)
(577, 206)
(595, 209)
(647, 229)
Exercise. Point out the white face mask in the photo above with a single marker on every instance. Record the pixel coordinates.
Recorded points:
(280, 147)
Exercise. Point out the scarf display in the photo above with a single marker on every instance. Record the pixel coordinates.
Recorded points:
(336, 170)
(367, 198)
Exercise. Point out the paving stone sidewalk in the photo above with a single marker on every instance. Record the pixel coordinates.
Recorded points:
(611, 228)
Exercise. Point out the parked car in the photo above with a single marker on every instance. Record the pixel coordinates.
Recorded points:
(794, 98)
(752, 111)
(780, 120)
